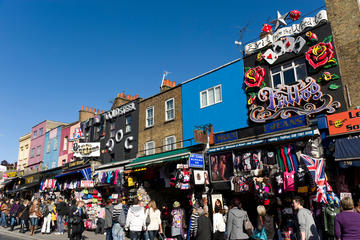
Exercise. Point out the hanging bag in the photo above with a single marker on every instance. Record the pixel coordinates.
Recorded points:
(248, 227)
(260, 235)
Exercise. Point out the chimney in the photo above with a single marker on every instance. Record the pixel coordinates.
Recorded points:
(166, 85)
(86, 114)
(122, 98)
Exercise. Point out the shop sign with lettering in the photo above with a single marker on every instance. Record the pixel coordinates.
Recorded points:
(119, 135)
(86, 149)
(11, 174)
(225, 137)
(280, 125)
(285, 101)
(74, 164)
(120, 111)
(29, 179)
(196, 160)
(344, 122)
(200, 136)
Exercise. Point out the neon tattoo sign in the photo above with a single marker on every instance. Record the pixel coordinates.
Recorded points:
(304, 98)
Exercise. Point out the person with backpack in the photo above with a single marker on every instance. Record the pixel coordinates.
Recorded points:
(62, 210)
(78, 215)
(72, 207)
(24, 216)
(155, 221)
(100, 224)
(46, 212)
(135, 220)
(119, 221)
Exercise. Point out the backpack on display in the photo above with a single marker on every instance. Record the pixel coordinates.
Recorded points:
(122, 218)
(289, 181)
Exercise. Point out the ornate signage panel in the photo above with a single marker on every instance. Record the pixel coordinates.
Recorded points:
(344, 122)
(284, 124)
(86, 149)
(303, 98)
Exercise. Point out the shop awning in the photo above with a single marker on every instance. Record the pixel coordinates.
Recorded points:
(347, 149)
(175, 155)
(86, 172)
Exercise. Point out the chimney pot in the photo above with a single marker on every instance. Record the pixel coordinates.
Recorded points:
(102, 111)
(82, 107)
(137, 96)
(91, 109)
(98, 111)
(118, 95)
(87, 108)
(94, 110)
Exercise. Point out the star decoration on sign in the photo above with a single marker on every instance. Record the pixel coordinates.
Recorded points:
(280, 20)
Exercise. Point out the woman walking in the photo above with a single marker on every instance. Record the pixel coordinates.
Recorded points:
(5, 212)
(14, 210)
(219, 226)
(155, 221)
(48, 208)
(347, 223)
(78, 217)
(35, 215)
(236, 219)
(24, 216)
(266, 221)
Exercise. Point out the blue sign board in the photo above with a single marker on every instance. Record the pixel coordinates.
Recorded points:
(266, 140)
(196, 160)
(284, 124)
(225, 137)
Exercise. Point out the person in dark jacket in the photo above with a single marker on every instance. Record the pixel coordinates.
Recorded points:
(62, 211)
(266, 221)
(72, 207)
(14, 210)
(204, 229)
(24, 216)
(109, 209)
(78, 215)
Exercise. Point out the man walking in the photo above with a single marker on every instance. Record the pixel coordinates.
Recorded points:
(62, 210)
(307, 227)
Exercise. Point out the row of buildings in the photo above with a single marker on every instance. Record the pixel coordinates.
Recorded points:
(302, 69)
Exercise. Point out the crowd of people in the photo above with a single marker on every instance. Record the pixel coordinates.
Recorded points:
(140, 221)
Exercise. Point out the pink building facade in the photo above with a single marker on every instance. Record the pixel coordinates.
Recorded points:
(66, 143)
(37, 146)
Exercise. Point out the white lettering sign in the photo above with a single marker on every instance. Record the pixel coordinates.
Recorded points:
(119, 135)
(287, 31)
(120, 111)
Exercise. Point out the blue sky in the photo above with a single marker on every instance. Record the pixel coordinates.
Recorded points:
(56, 55)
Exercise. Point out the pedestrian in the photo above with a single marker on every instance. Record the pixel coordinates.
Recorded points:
(357, 208)
(219, 226)
(155, 220)
(236, 221)
(62, 210)
(53, 216)
(193, 222)
(204, 229)
(347, 223)
(307, 227)
(72, 207)
(35, 215)
(109, 208)
(14, 210)
(117, 230)
(24, 216)
(100, 224)
(78, 216)
(178, 218)
(165, 219)
(266, 221)
(5, 212)
(135, 220)
(47, 209)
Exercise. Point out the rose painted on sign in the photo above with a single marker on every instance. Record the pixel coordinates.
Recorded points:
(254, 76)
(327, 76)
(320, 54)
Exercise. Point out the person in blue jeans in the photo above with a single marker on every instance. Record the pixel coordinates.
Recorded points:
(14, 210)
(62, 210)
(35, 214)
(5, 211)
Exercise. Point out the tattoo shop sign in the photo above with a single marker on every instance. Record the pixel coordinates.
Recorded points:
(304, 98)
(287, 31)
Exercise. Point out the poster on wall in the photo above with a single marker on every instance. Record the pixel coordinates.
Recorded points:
(216, 198)
(221, 166)
(201, 177)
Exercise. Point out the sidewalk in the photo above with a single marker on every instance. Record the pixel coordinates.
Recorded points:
(88, 235)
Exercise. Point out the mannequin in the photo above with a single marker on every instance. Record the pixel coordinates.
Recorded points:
(329, 217)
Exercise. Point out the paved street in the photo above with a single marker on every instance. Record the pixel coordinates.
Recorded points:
(5, 234)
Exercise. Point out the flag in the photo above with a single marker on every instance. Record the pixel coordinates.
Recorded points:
(77, 133)
(316, 167)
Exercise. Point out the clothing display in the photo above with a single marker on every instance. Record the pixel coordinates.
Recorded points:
(329, 219)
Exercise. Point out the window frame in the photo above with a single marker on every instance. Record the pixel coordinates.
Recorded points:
(48, 146)
(149, 149)
(32, 153)
(167, 146)
(38, 150)
(167, 110)
(35, 134)
(127, 124)
(112, 129)
(55, 144)
(293, 66)
(66, 141)
(41, 131)
(147, 117)
(207, 96)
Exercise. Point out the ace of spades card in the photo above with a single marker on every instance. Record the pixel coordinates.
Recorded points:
(270, 56)
(279, 48)
(298, 44)
(289, 43)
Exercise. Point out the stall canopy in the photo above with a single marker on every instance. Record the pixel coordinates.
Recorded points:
(347, 149)
(175, 155)
(86, 172)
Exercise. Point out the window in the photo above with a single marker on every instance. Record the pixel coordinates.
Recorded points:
(65, 143)
(38, 151)
(53, 164)
(35, 134)
(48, 146)
(112, 129)
(210, 96)
(150, 116)
(128, 124)
(32, 152)
(169, 109)
(288, 73)
(169, 143)
(41, 131)
(149, 148)
(55, 144)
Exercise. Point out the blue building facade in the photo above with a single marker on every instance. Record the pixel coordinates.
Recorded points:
(216, 97)
(51, 148)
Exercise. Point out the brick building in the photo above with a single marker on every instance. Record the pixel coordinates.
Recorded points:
(160, 121)
(344, 16)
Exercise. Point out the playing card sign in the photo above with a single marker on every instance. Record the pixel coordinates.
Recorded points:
(270, 56)
(299, 44)
(289, 43)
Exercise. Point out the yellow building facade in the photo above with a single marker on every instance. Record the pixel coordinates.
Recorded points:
(23, 153)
